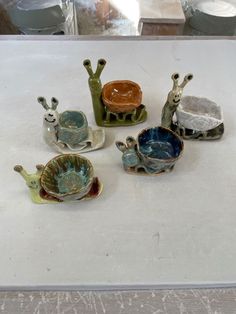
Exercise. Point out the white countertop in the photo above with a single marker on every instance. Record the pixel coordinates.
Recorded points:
(175, 229)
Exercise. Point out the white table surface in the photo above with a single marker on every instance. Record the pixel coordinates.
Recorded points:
(171, 230)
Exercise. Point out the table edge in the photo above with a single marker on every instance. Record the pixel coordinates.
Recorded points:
(107, 38)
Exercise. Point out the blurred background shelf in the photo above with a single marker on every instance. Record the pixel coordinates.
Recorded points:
(122, 17)
(50, 17)
(161, 18)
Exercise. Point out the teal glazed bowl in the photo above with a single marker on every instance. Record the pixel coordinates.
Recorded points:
(67, 177)
(73, 127)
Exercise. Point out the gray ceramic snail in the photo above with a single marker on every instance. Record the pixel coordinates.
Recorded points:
(173, 99)
(195, 118)
(69, 130)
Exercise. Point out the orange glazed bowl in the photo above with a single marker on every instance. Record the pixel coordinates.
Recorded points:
(121, 96)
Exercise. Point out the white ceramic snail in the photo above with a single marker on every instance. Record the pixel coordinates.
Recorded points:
(69, 130)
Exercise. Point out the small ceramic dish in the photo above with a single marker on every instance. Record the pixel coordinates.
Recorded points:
(69, 130)
(199, 114)
(122, 96)
(67, 177)
(156, 150)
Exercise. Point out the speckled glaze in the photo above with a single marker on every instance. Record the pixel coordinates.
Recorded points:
(103, 115)
(199, 118)
(156, 150)
(67, 177)
(73, 127)
(69, 130)
(196, 118)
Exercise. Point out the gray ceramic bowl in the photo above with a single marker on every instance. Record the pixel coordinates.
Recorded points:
(199, 114)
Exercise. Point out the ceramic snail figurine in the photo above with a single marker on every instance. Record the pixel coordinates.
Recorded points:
(67, 177)
(173, 100)
(69, 130)
(117, 103)
(155, 151)
(34, 185)
(195, 118)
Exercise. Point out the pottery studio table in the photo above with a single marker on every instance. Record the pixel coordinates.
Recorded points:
(173, 230)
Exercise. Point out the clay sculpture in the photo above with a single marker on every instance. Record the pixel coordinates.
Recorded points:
(155, 151)
(191, 117)
(67, 177)
(69, 130)
(117, 103)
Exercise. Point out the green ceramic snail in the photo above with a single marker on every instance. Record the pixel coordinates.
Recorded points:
(117, 103)
(66, 177)
(33, 182)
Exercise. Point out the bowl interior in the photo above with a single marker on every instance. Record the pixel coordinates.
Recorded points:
(200, 107)
(159, 143)
(199, 114)
(122, 92)
(66, 174)
(72, 119)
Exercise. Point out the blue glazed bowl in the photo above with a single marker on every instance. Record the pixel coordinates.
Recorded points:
(67, 177)
(73, 127)
(159, 148)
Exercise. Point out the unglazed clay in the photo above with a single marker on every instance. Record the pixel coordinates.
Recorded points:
(155, 151)
(196, 118)
(110, 113)
(67, 177)
(69, 130)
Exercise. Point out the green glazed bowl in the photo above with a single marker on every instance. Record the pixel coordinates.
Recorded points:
(67, 177)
